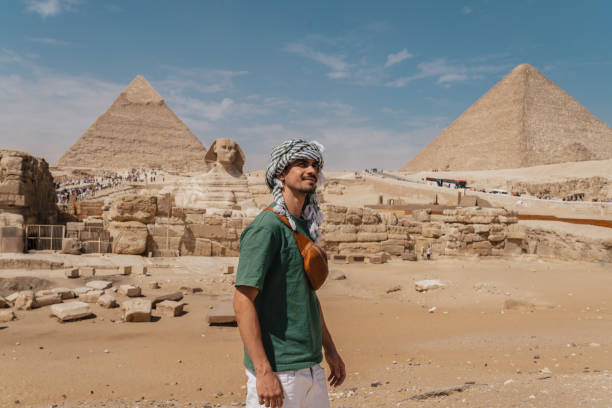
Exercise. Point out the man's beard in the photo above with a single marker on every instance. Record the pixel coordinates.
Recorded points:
(308, 190)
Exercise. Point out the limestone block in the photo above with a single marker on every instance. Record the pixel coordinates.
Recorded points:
(480, 228)
(71, 246)
(223, 249)
(469, 229)
(92, 296)
(79, 291)
(170, 308)
(428, 284)
(130, 290)
(137, 310)
(333, 208)
(209, 231)
(335, 217)
(513, 247)
(71, 311)
(340, 237)
(65, 293)
(409, 256)
(196, 247)
(84, 271)
(398, 230)
(371, 236)
(516, 231)
(99, 284)
(46, 300)
(11, 298)
(431, 230)
(107, 301)
(176, 296)
(482, 248)
(7, 316)
(166, 230)
(507, 220)
(497, 252)
(359, 247)
(72, 273)
(481, 219)
(376, 259)
(129, 238)
(222, 313)
(467, 238)
(354, 216)
(4, 303)
(348, 228)
(372, 228)
(389, 218)
(393, 247)
(497, 237)
(125, 270)
(140, 208)
(370, 217)
(8, 219)
(25, 300)
(422, 215)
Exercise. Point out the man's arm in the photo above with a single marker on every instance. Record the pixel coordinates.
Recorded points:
(337, 373)
(269, 389)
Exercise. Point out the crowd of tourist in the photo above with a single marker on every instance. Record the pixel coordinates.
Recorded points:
(88, 186)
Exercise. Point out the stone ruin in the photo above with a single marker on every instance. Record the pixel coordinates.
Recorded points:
(27, 196)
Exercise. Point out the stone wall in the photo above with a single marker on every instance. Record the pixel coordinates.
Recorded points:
(26, 187)
(140, 224)
(362, 231)
(27, 196)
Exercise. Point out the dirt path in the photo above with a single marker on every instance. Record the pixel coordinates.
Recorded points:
(550, 349)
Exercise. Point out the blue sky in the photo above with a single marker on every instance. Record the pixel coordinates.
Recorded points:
(373, 81)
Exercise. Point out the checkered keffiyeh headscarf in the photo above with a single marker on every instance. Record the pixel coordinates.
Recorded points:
(281, 157)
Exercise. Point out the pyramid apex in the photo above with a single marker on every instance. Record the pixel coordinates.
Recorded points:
(141, 91)
(523, 68)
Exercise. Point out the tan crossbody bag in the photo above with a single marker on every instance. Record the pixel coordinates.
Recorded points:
(315, 258)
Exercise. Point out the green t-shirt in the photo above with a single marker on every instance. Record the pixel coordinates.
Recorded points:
(286, 305)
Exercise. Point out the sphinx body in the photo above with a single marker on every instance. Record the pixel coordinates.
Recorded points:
(224, 187)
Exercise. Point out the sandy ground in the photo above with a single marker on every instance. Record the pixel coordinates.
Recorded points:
(551, 348)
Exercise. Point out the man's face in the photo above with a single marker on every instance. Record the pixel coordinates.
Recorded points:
(225, 149)
(302, 176)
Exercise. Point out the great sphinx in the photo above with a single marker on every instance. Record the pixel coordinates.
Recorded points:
(222, 187)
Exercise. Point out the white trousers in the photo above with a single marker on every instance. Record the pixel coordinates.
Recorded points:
(305, 388)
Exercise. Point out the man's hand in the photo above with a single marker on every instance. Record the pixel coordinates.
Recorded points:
(337, 373)
(269, 390)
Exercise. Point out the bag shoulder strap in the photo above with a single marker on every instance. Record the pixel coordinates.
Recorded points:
(302, 240)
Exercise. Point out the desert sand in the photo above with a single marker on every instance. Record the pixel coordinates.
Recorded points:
(508, 332)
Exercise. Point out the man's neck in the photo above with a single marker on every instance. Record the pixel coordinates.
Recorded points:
(294, 201)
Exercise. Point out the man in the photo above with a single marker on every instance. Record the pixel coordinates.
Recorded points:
(279, 316)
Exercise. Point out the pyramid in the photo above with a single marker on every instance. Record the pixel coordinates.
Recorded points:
(524, 120)
(137, 131)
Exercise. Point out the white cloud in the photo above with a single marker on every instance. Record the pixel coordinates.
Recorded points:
(452, 77)
(446, 72)
(49, 8)
(196, 108)
(397, 57)
(44, 112)
(465, 10)
(336, 62)
(48, 41)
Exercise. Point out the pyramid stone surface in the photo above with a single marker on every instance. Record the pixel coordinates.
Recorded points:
(524, 120)
(137, 131)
